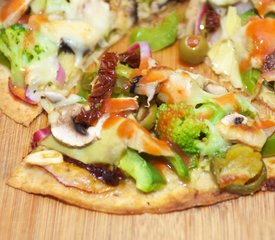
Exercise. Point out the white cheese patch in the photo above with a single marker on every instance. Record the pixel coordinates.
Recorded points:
(42, 72)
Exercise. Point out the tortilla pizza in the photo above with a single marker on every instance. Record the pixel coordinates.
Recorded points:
(150, 139)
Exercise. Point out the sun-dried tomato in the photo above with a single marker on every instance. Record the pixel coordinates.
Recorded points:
(212, 21)
(132, 59)
(269, 62)
(101, 90)
(108, 174)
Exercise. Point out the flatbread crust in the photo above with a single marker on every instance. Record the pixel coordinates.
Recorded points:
(124, 199)
(15, 109)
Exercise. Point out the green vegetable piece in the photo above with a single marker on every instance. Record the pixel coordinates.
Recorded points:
(38, 6)
(270, 15)
(21, 53)
(217, 112)
(250, 78)
(193, 49)
(4, 61)
(11, 45)
(84, 85)
(160, 36)
(242, 171)
(249, 188)
(180, 167)
(108, 149)
(269, 147)
(179, 124)
(147, 116)
(124, 71)
(147, 178)
(247, 15)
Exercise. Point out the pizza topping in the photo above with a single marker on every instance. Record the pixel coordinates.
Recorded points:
(250, 79)
(244, 131)
(43, 158)
(261, 32)
(269, 147)
(146, 116)
(241, 171)
(198, 25)
(71, 175)
(160, 36)
(179, 124)
(131, 58)
(234, 119)
(147, 178)
(212, 20)
(40, 134)
(68, 131)
(269, 62)
(12, 11)
(193, 49)
(101, 90)
(109, 174)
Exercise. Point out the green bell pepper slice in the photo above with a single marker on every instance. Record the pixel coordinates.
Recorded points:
(250, 78)
(160, 36)
(269, 147)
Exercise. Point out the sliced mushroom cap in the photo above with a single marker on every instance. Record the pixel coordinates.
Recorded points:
(236, 127)
(65, 129)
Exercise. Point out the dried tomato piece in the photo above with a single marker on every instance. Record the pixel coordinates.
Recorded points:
(132, 59)
(101, 90)
(212, 20)
(110, 175)
(269, 62)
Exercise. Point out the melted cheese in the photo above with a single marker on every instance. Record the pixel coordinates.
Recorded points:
(42, 72)
(78, 35)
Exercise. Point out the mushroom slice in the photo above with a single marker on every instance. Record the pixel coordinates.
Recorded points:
(65, 130)
(236, 127)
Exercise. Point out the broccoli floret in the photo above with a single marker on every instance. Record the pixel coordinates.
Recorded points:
(11, 45)
(180, 124)
(22, 47)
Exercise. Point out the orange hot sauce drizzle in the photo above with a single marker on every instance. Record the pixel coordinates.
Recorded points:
(263, 6)
(10, 7)
(262, 34)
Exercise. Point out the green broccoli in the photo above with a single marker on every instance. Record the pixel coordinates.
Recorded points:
(180, 124)
(22, 47)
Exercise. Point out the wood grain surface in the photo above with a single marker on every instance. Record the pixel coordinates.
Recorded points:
(27, 216)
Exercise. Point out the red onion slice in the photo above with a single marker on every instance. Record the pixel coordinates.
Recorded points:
(145, 51)
(60, 75)
(243, 7)
(201, 15)
(20, 93)
(41, 134)
(269, 76)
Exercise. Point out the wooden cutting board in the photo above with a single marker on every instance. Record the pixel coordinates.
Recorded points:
(27, 216)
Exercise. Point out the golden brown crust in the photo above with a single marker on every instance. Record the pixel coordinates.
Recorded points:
(124, 199)
(15, 109)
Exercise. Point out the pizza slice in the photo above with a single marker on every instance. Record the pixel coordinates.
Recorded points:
(239, 47)
(47, 45)
(150, 139)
